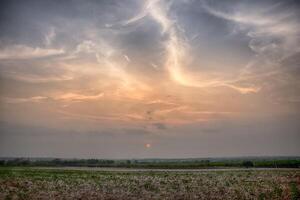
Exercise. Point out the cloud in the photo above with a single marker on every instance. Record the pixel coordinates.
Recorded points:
(121, 118)
(16, 52)
(110, 59)
(127, 58)
(160, 126)
(68, 97)
(176, 47)
(244, 90)
(34, 78)
(154, 66)
(78, 97)
(50, 36)
(161, 102)
(142, 14)
(34, 99)
(273, 31)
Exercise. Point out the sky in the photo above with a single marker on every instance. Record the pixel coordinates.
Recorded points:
(149, 78)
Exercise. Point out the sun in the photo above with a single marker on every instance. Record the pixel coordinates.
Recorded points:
(147, 145)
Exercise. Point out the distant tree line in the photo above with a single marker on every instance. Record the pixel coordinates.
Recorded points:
(176, 164)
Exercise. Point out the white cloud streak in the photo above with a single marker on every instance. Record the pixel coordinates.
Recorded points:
(78, 97)
(34, 99)
(16, 52)
(50, 36)
(176, 50)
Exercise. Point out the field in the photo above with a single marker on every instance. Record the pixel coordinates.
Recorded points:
(42, 183)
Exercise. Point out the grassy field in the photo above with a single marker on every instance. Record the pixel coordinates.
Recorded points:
(29, 183)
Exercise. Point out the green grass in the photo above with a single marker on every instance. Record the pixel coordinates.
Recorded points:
(295, 194)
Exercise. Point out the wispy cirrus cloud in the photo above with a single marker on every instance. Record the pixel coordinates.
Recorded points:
(273, 32)
(14, 100)
(16, 52)
(176, 47)
(34, 78)
(78, 97)
(65, 97)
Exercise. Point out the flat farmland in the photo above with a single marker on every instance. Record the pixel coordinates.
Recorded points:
(76, 183)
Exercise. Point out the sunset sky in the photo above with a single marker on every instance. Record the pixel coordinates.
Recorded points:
(149, 78)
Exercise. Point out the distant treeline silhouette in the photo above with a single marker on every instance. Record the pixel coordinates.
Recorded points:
(153, 163)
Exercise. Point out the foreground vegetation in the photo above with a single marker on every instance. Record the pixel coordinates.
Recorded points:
(30, 183)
